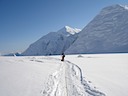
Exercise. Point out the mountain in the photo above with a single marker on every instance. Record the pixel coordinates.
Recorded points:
(106, 33)
(13, 54)
(53, 42)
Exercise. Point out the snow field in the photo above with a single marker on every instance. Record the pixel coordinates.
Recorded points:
(79, 75)
(108, 72)
(24, 76)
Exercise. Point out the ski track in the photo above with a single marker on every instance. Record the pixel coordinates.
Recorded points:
(68, 81)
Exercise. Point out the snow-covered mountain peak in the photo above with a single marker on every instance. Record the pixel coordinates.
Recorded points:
(72, 30)
(66, 30)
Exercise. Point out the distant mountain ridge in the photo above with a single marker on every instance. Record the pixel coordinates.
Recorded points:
(106, 33)
(54, 42)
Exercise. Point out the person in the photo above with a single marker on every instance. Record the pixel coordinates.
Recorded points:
(63, 55)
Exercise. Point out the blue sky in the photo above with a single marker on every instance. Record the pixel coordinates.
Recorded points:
(22, 22)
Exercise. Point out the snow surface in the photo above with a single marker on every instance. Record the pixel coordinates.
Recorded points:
(68, 81)
(78, 75)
